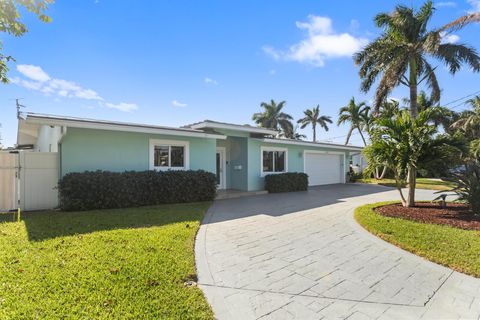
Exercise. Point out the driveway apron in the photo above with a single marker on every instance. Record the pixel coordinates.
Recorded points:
(302, 256)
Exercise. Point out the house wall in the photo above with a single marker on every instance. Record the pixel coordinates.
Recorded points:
(295, 160)
(89, 149)
(48, 138)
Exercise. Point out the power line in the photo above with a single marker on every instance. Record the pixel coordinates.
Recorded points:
(444, 105)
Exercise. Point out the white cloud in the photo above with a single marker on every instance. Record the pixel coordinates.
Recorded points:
(122, 106)
(39, 80)
(475, 5)
(445, 4)
(210, 81)
(176, 103)
(449, 38)
(33, 72)
(322, 43)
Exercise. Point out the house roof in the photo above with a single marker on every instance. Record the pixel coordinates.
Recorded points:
(74, 122)
(311, 143)
(210, 124)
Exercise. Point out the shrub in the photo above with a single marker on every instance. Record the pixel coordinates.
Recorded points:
(467, 185)
(103, 189)
(286, 182)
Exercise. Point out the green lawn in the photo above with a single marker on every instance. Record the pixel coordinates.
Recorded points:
(422, 183)
(456, 248)
(108, 264)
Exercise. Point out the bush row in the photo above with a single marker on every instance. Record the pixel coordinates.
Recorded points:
(103, 189)
(286, 182)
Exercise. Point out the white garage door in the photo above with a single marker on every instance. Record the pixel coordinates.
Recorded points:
(323, 168)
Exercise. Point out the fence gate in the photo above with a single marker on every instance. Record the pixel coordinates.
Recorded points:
(8, 181)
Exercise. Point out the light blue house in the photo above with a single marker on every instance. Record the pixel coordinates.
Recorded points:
(239, 155)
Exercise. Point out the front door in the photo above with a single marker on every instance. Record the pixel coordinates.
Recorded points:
(220, 168)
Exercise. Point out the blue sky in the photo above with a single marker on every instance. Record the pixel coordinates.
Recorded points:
(177, 62)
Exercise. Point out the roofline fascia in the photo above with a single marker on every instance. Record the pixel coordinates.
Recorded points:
(119, 127)
(214, 125)
(311, 144)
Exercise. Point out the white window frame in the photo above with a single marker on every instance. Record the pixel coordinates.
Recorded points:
(169, 143)
(268, 149)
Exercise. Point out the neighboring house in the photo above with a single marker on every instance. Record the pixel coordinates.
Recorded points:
(240, 155)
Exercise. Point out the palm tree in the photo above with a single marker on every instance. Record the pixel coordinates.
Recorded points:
(272, 117)
(403, 141)
(313, 117)
(295, 135)
(469, 121)
(354, 114)
(402, 54)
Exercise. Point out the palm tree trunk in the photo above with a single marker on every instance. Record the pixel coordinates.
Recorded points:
(412, 172)
(349, 135)
(413, 88)
(363, 138)
(314, 132)
(411, 177)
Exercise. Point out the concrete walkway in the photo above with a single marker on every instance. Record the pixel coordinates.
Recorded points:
(302, 256)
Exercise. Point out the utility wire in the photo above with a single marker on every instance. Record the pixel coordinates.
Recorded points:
(443, 105)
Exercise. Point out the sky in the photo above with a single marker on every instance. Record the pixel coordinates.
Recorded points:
(177, 62)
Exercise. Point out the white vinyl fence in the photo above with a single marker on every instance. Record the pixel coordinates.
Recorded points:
(8, 181)
(30, 180)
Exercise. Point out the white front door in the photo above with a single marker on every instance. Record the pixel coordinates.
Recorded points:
(220, 168)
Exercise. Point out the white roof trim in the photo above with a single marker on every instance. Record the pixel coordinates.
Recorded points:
(117, 126)
(236, 127)
(311, 144)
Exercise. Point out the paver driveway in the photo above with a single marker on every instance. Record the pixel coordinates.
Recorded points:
(302, 256)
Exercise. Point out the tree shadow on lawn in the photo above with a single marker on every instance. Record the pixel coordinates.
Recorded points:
(51, 224)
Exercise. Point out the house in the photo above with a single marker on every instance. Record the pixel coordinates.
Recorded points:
(239, 155)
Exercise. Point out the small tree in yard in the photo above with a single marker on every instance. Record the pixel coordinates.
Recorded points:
(467, 185)
(402, 142)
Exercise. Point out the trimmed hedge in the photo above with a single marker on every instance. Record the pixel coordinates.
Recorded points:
(103, 189)
(286, 182)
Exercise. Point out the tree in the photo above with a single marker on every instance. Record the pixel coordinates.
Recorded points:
(354, 114)
(402, 55)
(295, 135)
(313, 117)
(469, 121)
(272, 117)
(10, 23)
(402, 142)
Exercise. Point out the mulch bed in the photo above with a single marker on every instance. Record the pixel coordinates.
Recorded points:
(455, 215)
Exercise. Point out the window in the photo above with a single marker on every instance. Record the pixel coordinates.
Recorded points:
(274, 160)
(166, 155)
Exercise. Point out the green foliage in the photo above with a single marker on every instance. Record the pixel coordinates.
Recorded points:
(10, 23)
(404, 142)
(455, 248)
(356, 115)
(286, 182)
(108, 264)
(313, 117)
(272, 117)
(467, 185)
(403, 53)
(102, 189)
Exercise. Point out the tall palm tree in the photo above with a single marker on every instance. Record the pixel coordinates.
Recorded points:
(295, 135)
(402, 54)
(272, 117)
(313, 117)
(354, 114)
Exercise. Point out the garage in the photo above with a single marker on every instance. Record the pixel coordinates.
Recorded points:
(323, 168)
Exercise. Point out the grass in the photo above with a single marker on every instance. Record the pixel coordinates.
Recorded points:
(108, 264)
(422, 183)
(455, 248)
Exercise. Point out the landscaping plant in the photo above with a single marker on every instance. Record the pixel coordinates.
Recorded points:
(467, 185)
